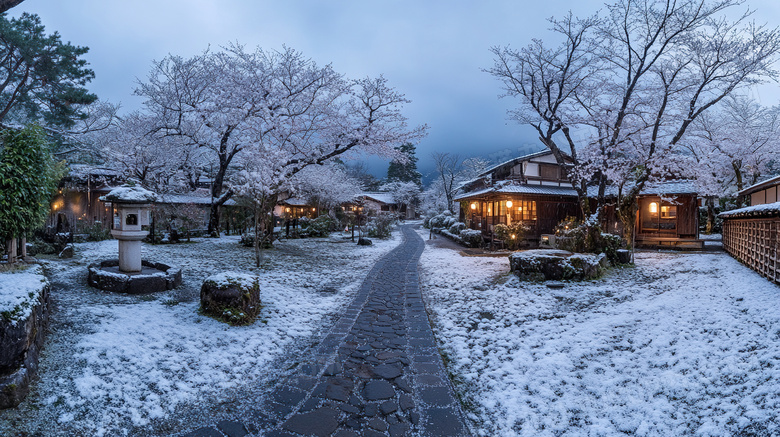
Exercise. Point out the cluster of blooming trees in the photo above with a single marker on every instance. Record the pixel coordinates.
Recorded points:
(262, 124)
(623, 93)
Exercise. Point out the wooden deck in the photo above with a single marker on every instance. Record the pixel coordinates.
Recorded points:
(670, 242)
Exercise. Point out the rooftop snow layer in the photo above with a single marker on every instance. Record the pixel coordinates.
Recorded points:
(765, 210)
(129, 194)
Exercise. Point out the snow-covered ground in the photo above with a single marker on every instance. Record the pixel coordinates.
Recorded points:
(681, 344)
(149, 365)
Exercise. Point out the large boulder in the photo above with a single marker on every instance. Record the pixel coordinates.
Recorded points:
(231, 297)
(546, 264)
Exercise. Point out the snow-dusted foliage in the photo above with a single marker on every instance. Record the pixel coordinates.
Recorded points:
(326, 185)
(735, 145)
(404, 193)
(271, 113)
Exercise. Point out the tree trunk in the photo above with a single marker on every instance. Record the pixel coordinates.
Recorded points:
(627, 214)
(23, 247)
(11, 245)
(710, 201)
(214, 219)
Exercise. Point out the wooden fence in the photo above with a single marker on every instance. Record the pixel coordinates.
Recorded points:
(756, 243)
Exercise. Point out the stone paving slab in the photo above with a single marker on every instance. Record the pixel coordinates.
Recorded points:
(377, 372)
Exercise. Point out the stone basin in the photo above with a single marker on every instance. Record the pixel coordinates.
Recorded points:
(153, 277)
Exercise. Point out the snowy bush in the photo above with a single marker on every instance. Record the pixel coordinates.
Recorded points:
(505, 233)
(471, 237)
(443, 220)
(457, 228)
(380, 226)
(319, 227)
(584, 237)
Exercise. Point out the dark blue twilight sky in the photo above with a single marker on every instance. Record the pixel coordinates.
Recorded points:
(431, 50)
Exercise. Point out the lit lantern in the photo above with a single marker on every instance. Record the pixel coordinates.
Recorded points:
(508, 203)
(514, 236)
(313, 209)
(473, 206)
(287, 210)
(653, 208)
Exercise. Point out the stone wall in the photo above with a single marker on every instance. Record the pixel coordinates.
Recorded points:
(21, 340)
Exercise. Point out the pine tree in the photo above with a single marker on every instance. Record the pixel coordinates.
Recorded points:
(41, 78)
(405, 170)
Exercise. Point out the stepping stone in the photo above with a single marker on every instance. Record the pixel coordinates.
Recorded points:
(376, 390)
(232, 429)
(387, 371)
(321, 423)
(554, 284)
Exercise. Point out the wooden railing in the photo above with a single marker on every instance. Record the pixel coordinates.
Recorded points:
(756, 243)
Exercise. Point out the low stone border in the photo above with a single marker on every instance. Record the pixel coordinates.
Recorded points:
(166, 278)
(20, 345)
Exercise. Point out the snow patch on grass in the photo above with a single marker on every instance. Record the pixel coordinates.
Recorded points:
(118, 364)
(681, 344)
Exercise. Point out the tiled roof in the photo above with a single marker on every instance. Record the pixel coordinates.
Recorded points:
(760, 186)
(764, 210)
(183, 199)
(521, 189)
(380, 197)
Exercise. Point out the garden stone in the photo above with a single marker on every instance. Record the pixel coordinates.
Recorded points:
(67, 252)
(624, 256)
(364, 242)
(231, 297)
(546, 264)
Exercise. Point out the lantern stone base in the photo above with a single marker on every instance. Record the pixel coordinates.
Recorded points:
(152, 277)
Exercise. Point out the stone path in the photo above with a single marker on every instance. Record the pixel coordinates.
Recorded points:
(377, 372)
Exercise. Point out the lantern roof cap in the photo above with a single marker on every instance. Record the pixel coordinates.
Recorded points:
(129, 194)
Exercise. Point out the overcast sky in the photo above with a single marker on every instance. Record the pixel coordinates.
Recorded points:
(431, 50)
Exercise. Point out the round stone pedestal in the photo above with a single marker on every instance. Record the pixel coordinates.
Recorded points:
(106, 275)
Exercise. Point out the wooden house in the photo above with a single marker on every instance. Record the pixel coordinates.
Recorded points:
(532, 189)
(668, 215)
(76, 204)
(379, 203)
(764, 192)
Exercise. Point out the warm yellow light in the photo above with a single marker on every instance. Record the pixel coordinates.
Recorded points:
(519, 208)
(514, 236)
(287, 209)
(313, 209)
(508, 203)
(473, 206)
(653, 207)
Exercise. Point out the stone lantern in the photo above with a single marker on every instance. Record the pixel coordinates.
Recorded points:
(133, 206)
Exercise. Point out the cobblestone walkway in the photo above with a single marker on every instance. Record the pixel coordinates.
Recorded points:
(376, 373)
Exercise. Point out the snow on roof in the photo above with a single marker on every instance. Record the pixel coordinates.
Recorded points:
(765, 210)
(761, 185)
(195, 199)
(517, 160)
(83, 170)
(295, 201)
(19, 292)
(656, 189)
(379, 197)
(521, 189)
(127, 194)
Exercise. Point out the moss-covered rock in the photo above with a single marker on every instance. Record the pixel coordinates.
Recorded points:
(542, 264)
(231, 297)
